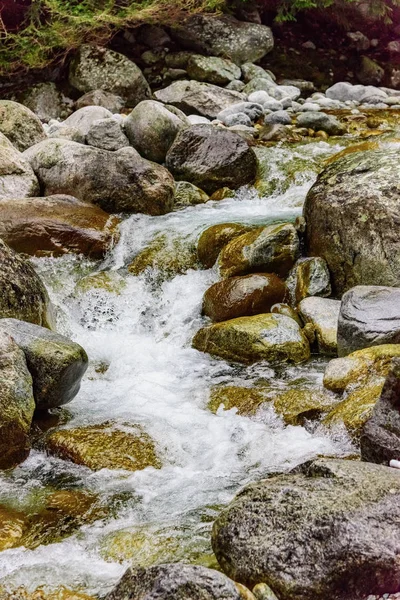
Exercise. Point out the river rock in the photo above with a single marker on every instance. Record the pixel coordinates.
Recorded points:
(187, 194)
(271, 249)
(45, 100)
(67, 133)
(345, 547)
(16, 404)
(16, 174)
(246, 400)
(214, 238)
(98, 68)
(105, 447)
(107, 100)
(166, 255)
(196, 97)
(20, 125)
(380, 438)
(252, 110)
(224, 36)
(23, 295)
(152, 128)
(177, 580)
(251, 71)
(319, 121)
(323, 314)
(56, 363)
(369, 316)
(83, 118)
(266, 337)
(211, 158)
(369, 72)
(309, 277)
(212, 69)
(352, 211)
(56, 225)
(118, 181)
(243, 296)
(298, 405)
(280, 117)
(106, 134)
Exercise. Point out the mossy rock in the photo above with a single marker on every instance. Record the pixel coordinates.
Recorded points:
(139, 547)
(222, 194)
(298, 405)
(187, 194)
(214, 238)
(246, 400)
(169, 256)
(108, 281)
(105, 447)
(20, 125)
(44, 593)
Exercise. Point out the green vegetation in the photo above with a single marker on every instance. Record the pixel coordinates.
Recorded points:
(381, 9)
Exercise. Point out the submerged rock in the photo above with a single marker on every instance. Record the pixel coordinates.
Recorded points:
(56, 363)
(105, 447)
(16, 407)
(346, 546)
(214, 238)
(271, 249)
(243, 296)
(23, 295)
(309, 277)
(323, 314)
(211, 158)
(12, 528)
(268, 337)
(118, 181)
(173, 581)
(20, 125)
(166, 255)
(246, 400)
(56, 225)
(16, 175)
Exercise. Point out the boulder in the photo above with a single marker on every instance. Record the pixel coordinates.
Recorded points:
(214, 238)
(243, 296)
(380, 437)
(309, 277)
(23, 295)
(212, 69)
(152, 128)
(266, 337)
(280, 117)
(369, 72)
(105, 447)
(369, 316)
(20, 125)
(16, 404)
(211, 158)
(323, 314)
(16, 175)
(67, 133)
(45, 100)
(167, 256)
(56, 363)
(224, 36)
(83, 118)
(97, 68)
(246, 400)
(111, 102)
(56, 225)
(187, 194)
(251, 71)
(271, 249)
(298, 405)
(173, 581)
(346, 92)
(352, 213)
(329, 529)
(196, 97)
(106, 134)
(319, 121)
(118, 181)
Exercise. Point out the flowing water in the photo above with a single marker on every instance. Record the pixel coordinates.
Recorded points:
(142, 333)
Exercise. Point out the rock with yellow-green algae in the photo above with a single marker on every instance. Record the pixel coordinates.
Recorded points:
(214, 238)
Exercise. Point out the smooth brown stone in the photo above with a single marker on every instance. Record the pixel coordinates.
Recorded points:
(56, 225)
(243, 296)
(214, 238)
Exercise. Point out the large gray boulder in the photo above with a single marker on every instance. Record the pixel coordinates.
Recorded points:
(16, 404)
(83, 118)
(369, 316)
(225, 36)
(352, 214)
(380, 437)
(327, 530)
(118, 181)
(16, 175)
(212, 69)
(20, 125)
(196, 97)
(151, 128)
(107, 134)
(45, 100)
(97, 68)
(212, 158)
(22, 292)
(56, 363)
(173, 582)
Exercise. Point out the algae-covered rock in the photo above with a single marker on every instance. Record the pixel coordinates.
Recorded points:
(16, 404)
(12, 528)
(16, 175)
(337, 520)
(214, 238)
(108, 281)
(187, 194)
(271, 249)
(98, 68)
(268, 337)
(20, 125)
(23, 295)
(243, 296)
(309, 277)
(56, 363)
(212, 69)
(284, 309)
(323, 314)
(105, 447)
(167, 255)
(246, 400)
(298, 405)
